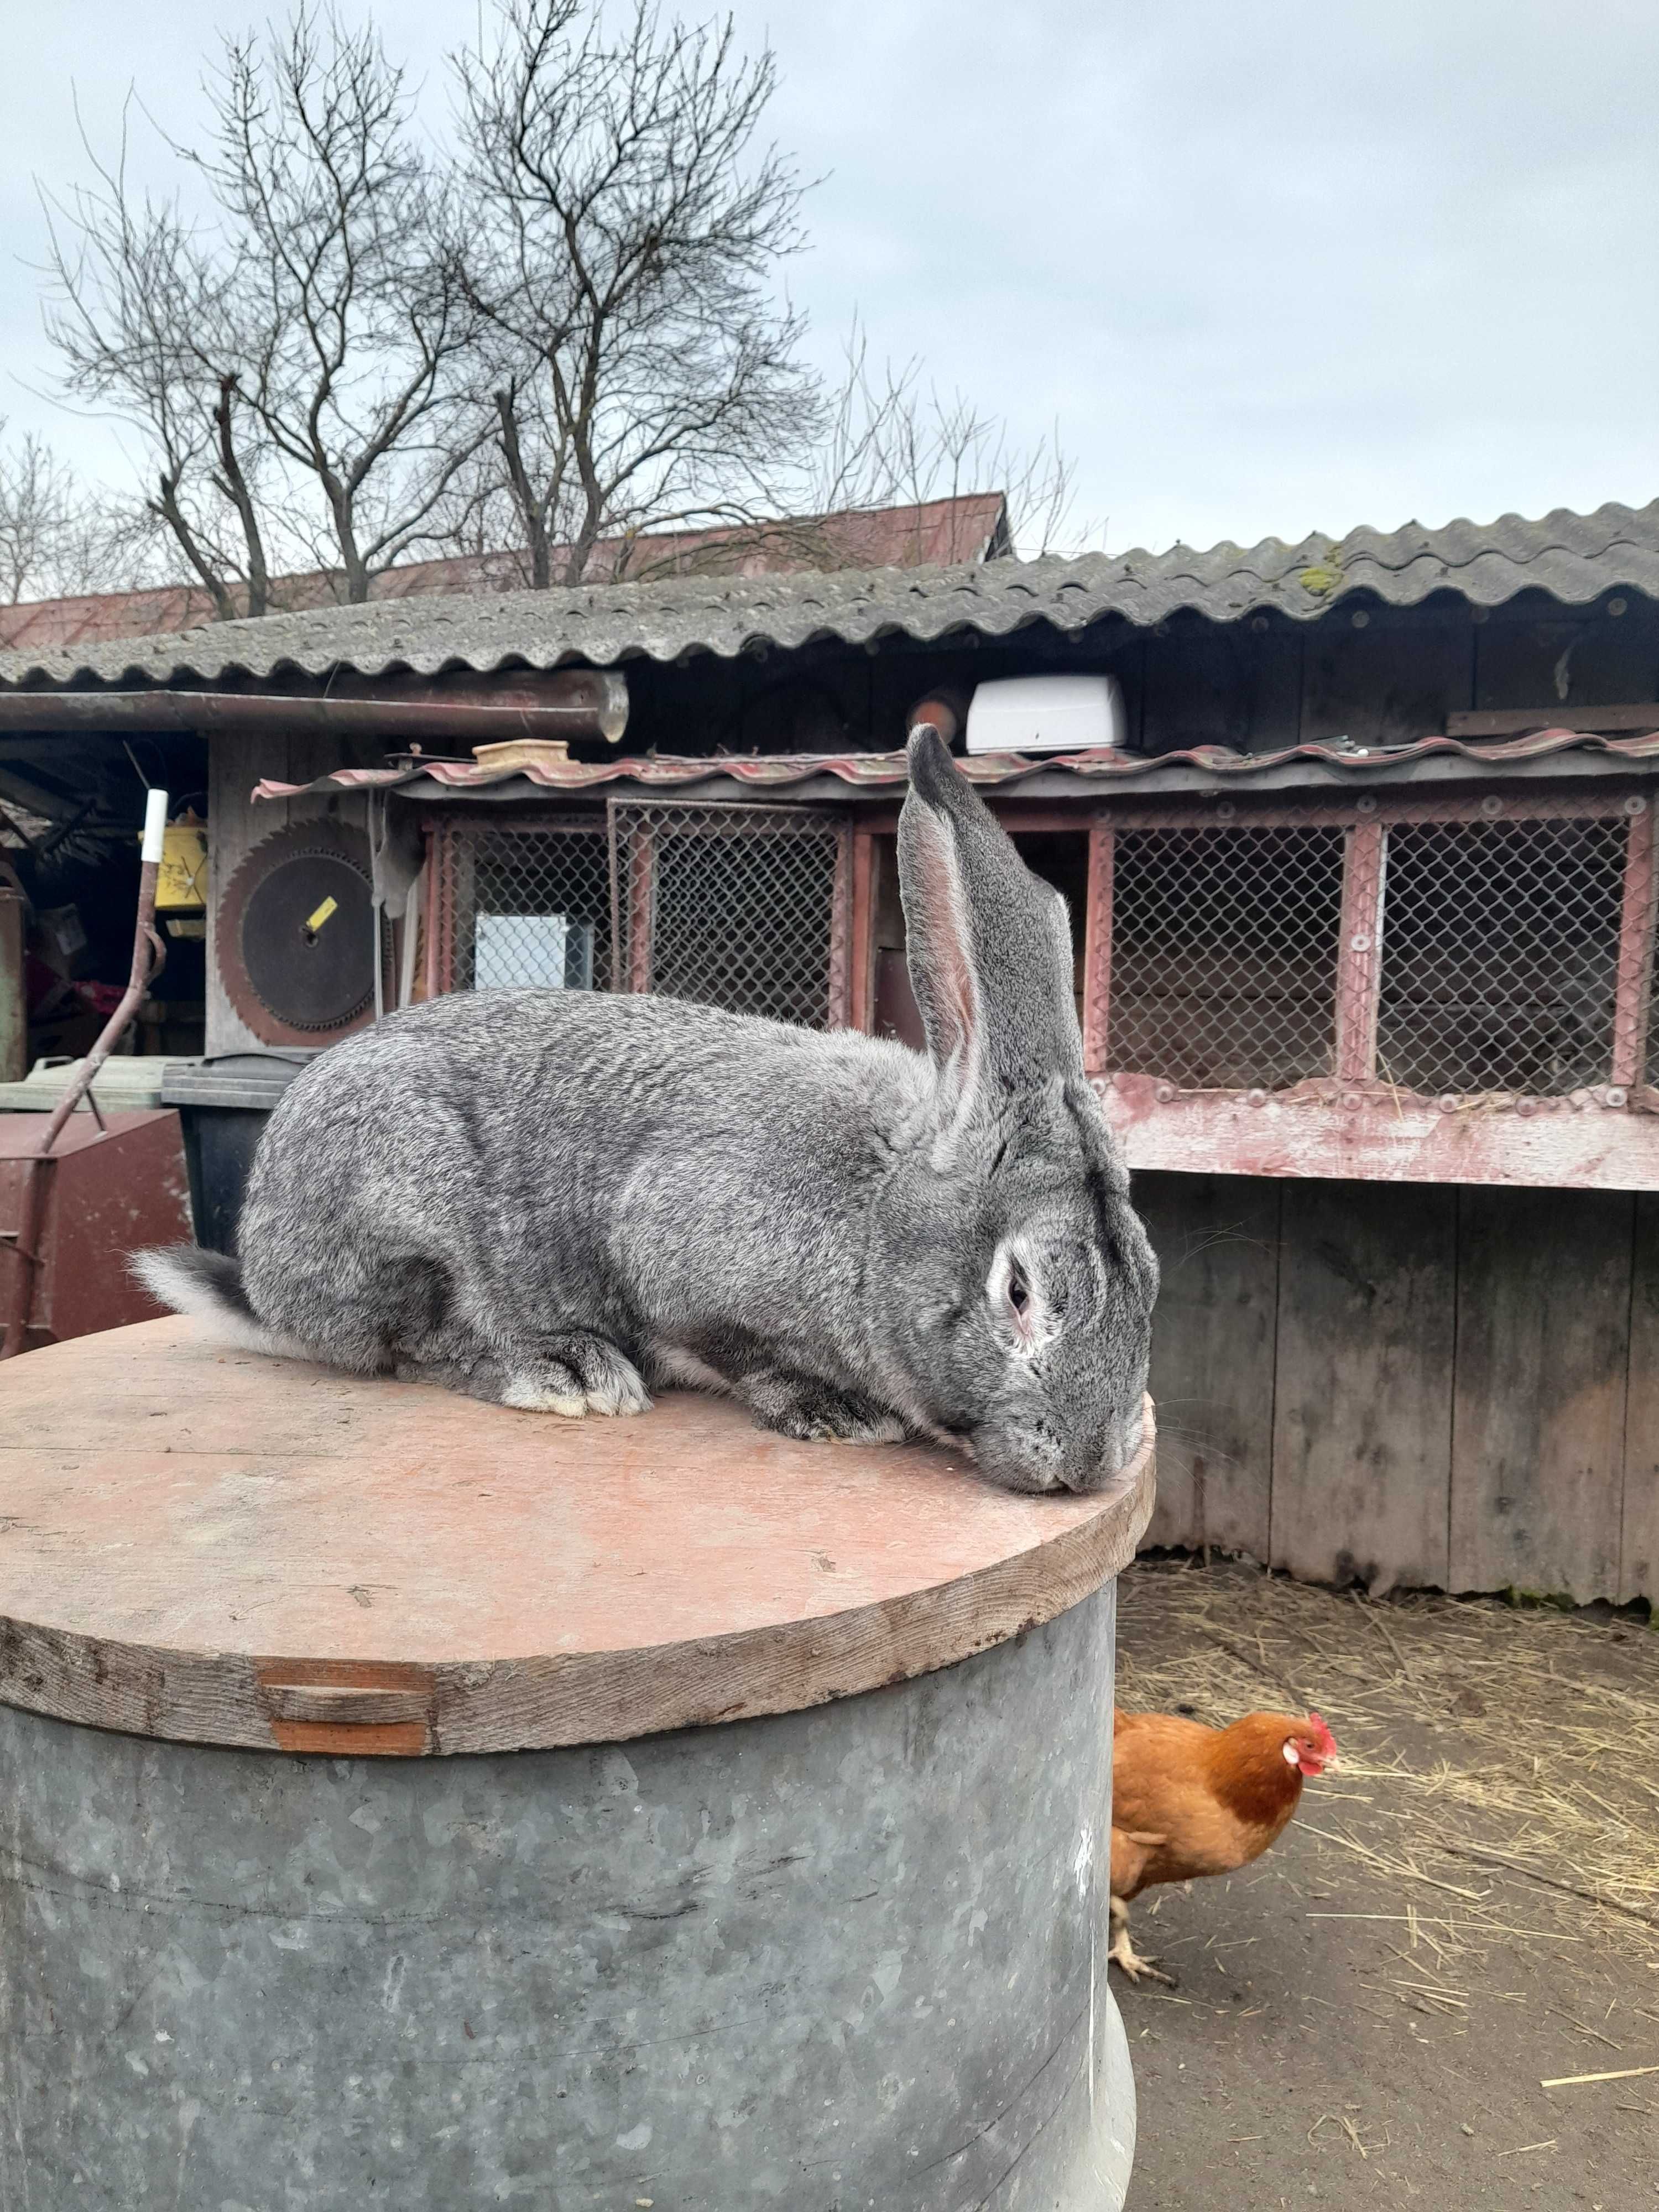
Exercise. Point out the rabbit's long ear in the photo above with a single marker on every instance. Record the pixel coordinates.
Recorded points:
(990, 950)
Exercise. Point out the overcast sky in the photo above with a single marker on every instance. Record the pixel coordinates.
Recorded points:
(1272, 268)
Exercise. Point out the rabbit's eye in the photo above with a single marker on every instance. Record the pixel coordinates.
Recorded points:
(1019, 1291)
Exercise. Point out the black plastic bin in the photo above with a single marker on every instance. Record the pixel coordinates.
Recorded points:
(223, 1103)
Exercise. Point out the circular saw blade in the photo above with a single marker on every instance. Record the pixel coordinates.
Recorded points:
(295, 934)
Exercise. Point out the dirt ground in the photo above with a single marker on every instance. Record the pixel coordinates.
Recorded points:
(1466, 1909)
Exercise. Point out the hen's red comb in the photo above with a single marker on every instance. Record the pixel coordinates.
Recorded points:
(1326, 1740)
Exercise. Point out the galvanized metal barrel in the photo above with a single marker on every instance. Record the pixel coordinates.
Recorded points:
(407, 1800)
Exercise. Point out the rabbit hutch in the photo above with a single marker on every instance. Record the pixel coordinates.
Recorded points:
(1362, 890)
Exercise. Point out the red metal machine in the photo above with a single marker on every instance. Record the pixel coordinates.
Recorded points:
(76, 1201)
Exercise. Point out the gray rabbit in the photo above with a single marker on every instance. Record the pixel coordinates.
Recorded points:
(557, 1199)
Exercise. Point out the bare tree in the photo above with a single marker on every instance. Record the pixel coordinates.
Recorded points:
(360, 340)
(143, 321)
(628, 229)
(892, 439)
(303, 371)
(572, 334)
(60, 538)
(36, 499)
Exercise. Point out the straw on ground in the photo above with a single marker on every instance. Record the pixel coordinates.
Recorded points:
(1497, 1741)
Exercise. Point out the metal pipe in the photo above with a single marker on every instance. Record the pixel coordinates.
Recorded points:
(943, 711)
(574, 703)
(148, 958)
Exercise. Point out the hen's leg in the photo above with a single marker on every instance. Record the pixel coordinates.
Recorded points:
(1124, 1953)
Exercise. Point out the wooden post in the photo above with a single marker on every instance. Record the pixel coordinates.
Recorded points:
(14, 1010)
(1097, 947)
(843, 932)
(1630, 1010)
(1359, 952)
(640, 907)
(862, 1008)
(430, 911)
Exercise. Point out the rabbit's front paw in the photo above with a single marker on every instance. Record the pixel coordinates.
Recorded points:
(574, 1375)
(800, 1405)
(541, 1392)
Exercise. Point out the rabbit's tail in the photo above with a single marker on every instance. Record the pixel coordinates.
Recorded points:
(208, 1284)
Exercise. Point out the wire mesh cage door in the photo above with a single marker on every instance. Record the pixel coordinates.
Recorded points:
(1505, 948)
(744, 907)
(523, 903)
(1499, 947)
(1223, 953)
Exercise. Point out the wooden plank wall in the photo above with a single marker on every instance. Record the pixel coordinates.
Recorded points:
(1217, 1239)
(1543, 1358)
(1363, 1383)
(1410, 1385)
(1638, 1545)
(1374, 673)
(1368, 671)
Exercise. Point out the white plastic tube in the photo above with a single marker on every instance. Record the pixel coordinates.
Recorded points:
(155, 823)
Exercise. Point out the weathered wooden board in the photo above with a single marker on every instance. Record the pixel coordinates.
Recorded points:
(1512, 721)
(1388, 1139)
(215, 1546)
(1520, 649)
(1362, 1402)
(1380, 676)
(1206, 683)
(236, 761)
(1543, 1307)
(1638, 1539)
(1213, 1346)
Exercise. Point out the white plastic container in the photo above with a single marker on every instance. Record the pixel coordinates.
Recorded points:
(1047, 714)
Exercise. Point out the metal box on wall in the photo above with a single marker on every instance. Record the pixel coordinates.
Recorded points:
(223, 1104)
(1065, 713)
(106, 1193)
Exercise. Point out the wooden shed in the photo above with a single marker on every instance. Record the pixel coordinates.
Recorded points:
(1364, 914)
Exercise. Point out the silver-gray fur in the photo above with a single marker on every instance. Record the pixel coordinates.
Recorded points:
(557, 1201)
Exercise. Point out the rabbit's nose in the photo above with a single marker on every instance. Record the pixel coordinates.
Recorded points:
(1101, 1458)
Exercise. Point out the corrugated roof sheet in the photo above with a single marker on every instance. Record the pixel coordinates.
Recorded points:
(970, 526)
(875, 771)
(1574, 557)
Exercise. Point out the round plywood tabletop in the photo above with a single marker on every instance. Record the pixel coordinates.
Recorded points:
(212, 1547)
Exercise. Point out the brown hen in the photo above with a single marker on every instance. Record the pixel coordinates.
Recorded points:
(1188, 1800)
